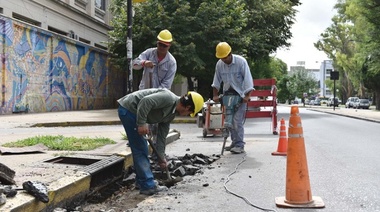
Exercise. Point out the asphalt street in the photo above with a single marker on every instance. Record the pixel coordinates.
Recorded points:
(259, 176)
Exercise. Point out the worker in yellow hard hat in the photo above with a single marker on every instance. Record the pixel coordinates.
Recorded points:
(159, 67)
(152, 106)
(159, 64)
(234, 72)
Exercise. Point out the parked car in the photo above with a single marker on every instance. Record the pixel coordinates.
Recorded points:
(350, 102)
(317, 102)
(331, 102)
(361, 103)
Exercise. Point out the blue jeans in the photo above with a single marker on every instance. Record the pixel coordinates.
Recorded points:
(139, 148)
(237, 131)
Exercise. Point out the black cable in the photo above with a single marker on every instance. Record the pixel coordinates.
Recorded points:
(237, 195)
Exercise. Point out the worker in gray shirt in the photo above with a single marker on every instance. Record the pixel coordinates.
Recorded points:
(152, 106)
(159, 64)
(159, 68)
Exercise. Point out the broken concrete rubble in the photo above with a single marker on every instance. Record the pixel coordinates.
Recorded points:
(6, 175)
(37, 189)
(184, 165)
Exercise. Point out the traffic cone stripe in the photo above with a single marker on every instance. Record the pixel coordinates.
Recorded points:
(295, 126)
(295, 135)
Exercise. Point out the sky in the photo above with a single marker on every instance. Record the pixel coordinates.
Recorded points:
(312, 19)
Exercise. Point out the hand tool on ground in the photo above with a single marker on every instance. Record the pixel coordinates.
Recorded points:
(170, 181)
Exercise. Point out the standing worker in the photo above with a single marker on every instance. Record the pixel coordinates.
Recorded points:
(152, 106)
(159, 64)
(159, 68)
(234, 72)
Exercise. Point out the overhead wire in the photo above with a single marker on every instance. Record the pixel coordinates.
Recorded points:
(240, 196)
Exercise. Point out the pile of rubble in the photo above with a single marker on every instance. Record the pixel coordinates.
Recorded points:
(8, 187)
(179, 166)
(6, 180)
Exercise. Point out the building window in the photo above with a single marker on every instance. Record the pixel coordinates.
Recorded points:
(100, 4)
(57, 31)
(100, 46)
(328, 71)
(26, 19)
(84, 40)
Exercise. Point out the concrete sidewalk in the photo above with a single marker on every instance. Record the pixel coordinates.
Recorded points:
(67, 182)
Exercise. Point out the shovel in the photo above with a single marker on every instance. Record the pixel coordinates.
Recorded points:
(170, 181)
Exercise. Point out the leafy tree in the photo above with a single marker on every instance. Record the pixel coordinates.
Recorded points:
(353, 42)
(302, 81)
(369, 51)
(254, 29)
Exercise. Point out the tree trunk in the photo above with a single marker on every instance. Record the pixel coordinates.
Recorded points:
(377, 99)
(205, 89)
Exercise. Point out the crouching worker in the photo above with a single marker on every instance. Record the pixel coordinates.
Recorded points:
(152, 106)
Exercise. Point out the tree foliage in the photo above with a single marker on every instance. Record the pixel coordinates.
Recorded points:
(254, 29)
(353, 42)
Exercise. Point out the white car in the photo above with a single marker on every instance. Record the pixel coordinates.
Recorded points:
(361, 103)
(350, 102)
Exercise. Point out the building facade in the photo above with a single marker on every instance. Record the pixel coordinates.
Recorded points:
(54, 57)
(325, 70)
(87, 21)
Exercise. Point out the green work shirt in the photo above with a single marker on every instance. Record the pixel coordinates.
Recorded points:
(153, 106)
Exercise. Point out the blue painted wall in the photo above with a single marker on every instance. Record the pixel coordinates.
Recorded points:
(42, 72)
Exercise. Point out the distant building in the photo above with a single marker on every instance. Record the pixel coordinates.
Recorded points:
(321, 75)
(325, 69)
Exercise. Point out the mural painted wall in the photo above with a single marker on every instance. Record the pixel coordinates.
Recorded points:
(44, 72)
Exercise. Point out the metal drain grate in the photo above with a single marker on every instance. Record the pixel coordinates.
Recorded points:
(105, 171)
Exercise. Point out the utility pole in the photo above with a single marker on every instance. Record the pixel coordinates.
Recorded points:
(129, 47)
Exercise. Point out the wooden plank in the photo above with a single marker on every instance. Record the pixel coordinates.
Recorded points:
(264, 82)
(258, 114)
(261, 93)
(260, 104)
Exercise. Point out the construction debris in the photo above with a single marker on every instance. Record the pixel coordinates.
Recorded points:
(183, 165)
(6, 175)
(37, 189)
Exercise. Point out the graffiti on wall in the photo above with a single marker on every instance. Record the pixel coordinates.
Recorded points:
(43, 72)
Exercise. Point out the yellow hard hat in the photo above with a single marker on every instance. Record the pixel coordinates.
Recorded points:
(222, 50)
(165, 36)
(197, 100)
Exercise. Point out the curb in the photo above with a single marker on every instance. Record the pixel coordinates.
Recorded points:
(96, 123)
(347, 115)
(70, 189)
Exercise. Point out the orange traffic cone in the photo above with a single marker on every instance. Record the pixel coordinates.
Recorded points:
(282, 141)
(298, 192)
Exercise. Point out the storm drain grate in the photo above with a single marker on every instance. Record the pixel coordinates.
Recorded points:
(72, 161)
(105, 170)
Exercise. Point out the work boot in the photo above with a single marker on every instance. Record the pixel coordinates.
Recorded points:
(137, 187)
(228, 148)
(237, 150)
(153, 190)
